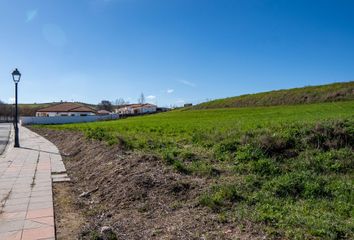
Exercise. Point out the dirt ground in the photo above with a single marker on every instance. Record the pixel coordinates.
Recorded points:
(133, 194)
(69, 218)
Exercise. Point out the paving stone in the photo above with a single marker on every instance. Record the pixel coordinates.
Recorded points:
(10, 226)
(13, 216)
(59, 180)
(39, 205)
(59, 175)
(20, 195)
(37, 213)
(11, 235)
(30, 225)
(15, 208)
(17, 201)
(38, 233)
(41, 199)
(40, 193)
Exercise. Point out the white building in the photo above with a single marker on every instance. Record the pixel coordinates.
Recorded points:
(66, 109)
(136, 109)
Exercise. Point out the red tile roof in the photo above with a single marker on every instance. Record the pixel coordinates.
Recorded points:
(138, 105)
(103, 112)
(67, 107)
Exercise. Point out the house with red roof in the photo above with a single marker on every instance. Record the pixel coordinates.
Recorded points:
(66, 109)
(136, 109)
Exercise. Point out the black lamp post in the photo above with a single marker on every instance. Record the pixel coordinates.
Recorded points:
(16, 76)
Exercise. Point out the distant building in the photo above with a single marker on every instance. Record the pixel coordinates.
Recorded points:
(162, 109)
(188, 105)
(136, 109)
(103, 112)
(66, 109)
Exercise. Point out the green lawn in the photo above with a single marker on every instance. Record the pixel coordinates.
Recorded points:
(289, 169)
(183, 126)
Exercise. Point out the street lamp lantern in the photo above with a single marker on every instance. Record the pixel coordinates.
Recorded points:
(16, 76)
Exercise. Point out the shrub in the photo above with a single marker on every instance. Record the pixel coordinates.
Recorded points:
(299, 185)
(102, 134)
(264, 167)
(203, 168)
(273, 144)
(269, 213)
(333, 161)
(224, 149)
(331, 135)
(180, 167)
(188, 156)
(220, 196)
(248, 153)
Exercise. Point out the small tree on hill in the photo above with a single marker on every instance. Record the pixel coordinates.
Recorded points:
(105, 105)
(119, 102)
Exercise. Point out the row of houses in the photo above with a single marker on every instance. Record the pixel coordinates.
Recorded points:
(75, 109)
(136, 109)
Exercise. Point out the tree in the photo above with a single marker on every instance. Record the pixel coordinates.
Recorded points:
(105, 105)
(141, 99)
(5, 110)
(28, 110)
(119, 102)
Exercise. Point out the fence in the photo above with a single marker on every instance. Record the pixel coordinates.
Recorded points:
(66, 119)
(6, 119)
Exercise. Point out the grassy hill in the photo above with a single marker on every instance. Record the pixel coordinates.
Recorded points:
(312, 94)
(286, 169)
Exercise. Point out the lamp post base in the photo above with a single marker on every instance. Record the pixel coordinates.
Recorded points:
(17, 142)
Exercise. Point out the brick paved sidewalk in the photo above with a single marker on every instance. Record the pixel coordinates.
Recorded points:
(26, 207)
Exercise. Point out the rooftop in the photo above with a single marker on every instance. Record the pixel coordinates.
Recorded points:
(67, 107)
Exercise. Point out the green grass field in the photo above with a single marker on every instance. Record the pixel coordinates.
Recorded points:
(182, 127)
(289, 169)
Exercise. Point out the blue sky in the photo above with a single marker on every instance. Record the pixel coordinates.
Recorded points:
(174, 51)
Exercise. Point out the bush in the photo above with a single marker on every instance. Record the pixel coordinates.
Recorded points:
(220, 196)
(299, 185)
(331, 135)
(333, 161)
(248, 153)
(203, 168)
(170, 155)
(264, 167)
(101, 134)
(272, 144)
(180, 167)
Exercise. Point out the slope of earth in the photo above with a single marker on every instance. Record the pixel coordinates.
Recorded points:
(286, 170)
(133, 193)
(313, 94)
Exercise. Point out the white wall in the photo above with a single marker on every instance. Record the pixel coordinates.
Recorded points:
(65, 119)
(130, 110)
(148, 109)
(54, 114)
